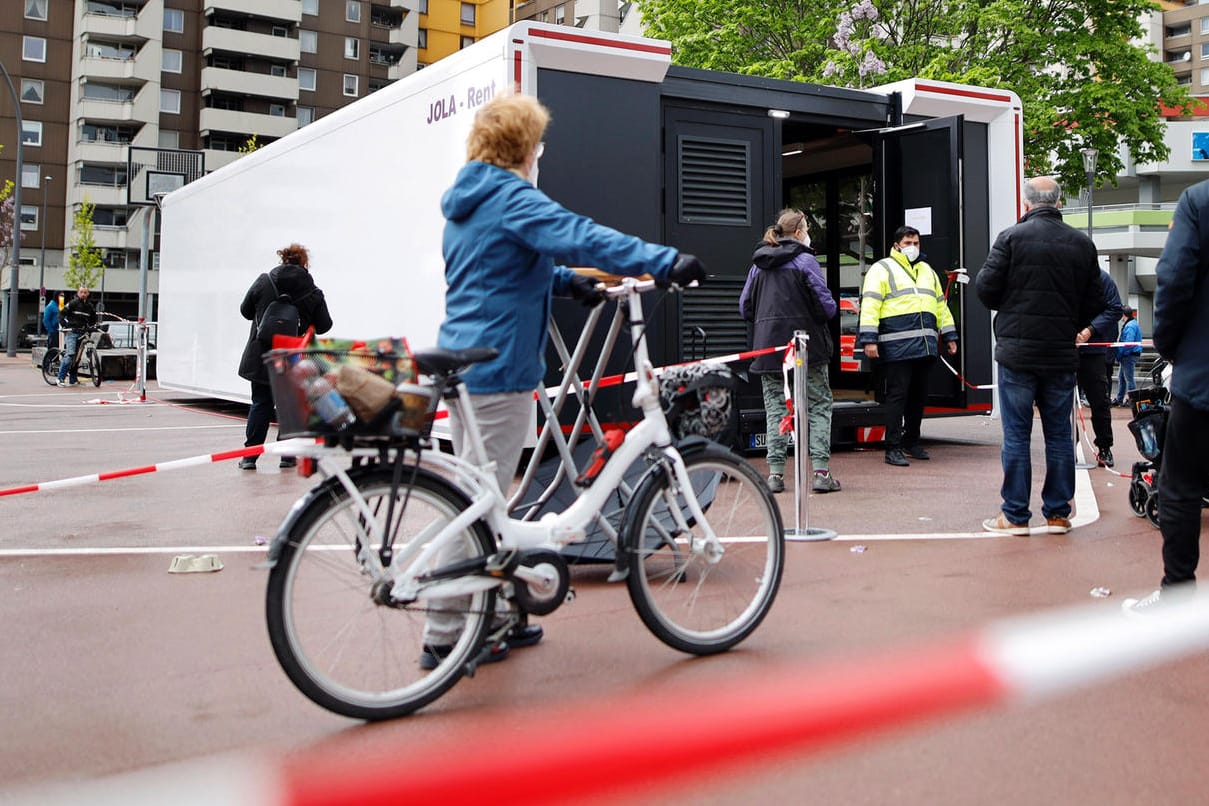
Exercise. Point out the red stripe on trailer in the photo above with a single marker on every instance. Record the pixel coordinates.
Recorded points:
(963, 93)
(709, 728)
(584, 39)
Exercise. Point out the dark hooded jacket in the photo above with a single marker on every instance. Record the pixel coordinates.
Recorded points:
(1181, 298)
(312, 311)
(784, 292)
(1043, 277)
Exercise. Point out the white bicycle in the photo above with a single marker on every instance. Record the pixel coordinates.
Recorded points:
(367, 558)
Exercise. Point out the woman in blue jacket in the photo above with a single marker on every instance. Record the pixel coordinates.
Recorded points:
(502, 239)
(1128, 356)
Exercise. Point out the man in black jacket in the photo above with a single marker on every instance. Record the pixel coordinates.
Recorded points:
(1181, 331)
(1093, 379)
(75, 318)
(1043, 278)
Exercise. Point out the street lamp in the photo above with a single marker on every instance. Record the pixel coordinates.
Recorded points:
(1089, 167)
(42, 260)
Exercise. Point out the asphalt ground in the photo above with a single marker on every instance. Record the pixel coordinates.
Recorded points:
(111, 664)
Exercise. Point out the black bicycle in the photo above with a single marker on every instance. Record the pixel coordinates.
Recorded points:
(87, 360)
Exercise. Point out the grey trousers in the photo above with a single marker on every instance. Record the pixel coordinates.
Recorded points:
(504, 421)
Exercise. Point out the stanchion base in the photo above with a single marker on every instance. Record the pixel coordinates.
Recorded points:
(810, 535)
(1085, 466)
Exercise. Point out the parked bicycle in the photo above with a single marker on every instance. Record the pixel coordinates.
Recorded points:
(365, 561)
(86, 358)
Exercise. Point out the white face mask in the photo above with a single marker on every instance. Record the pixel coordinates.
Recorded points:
(804, 237)
(911, 253)
(533, 173)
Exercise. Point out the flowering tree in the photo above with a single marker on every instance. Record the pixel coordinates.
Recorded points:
(1081, 69)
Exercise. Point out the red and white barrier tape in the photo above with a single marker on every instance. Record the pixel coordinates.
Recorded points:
(617, 380)
(94, 478)
(606, 747)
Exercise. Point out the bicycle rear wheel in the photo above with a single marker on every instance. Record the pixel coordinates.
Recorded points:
(339, 636)
(692, 601)
(50, 366)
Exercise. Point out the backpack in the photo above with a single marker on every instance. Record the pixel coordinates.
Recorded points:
(281, 317)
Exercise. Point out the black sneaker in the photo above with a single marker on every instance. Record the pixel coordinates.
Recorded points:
(247, 463)
(824, 482)
(1104, 457)
(432, 656)
(896, 458)
(288, 461)
(916, 452)
(776, 482)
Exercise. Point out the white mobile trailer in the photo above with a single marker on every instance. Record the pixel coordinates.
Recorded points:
(696, 159)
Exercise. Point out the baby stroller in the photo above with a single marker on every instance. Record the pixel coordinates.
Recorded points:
(1148, 425)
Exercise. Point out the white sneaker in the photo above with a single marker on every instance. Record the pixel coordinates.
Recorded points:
(1143, 606)
(62, 383)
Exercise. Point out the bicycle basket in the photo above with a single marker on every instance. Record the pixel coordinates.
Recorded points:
(336, 390)
(1148, 431)
(697, 399)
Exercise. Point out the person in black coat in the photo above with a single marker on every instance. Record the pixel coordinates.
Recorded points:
(1093, 379)
(292, 278)
(1042, 276)
(1181, 331)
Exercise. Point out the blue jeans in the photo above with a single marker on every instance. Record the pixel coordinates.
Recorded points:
(1053, 394)
(1125, 380)
(67, 362)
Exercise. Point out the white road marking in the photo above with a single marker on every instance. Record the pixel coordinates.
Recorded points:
(239, 425)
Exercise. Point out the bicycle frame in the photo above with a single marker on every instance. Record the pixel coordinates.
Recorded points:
(477, 479)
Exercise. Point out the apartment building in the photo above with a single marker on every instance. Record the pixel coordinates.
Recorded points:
(593, 15)
(97, 77)
(447, 26)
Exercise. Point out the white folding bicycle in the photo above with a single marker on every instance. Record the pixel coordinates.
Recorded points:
(362, 561)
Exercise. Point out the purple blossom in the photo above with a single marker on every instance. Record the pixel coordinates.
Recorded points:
(864, 10)
(871, 65)
(830, 69)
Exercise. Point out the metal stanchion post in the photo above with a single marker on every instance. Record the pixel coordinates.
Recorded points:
(803, 471)
(141, 370)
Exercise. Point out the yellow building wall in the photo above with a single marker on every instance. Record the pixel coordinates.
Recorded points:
(445, 29)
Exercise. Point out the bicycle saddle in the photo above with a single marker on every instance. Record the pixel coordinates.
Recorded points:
(439, 361)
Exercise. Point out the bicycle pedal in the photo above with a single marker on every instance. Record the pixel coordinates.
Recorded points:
(613, 438)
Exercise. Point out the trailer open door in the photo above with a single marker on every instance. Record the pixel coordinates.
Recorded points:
(917, 172)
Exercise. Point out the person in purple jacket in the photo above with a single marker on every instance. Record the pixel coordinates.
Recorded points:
(785, 291)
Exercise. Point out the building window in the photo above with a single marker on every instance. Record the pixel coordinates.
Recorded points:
(33, 91)
(29, 217)
(1205, 25)
(169, 139)
(422, 38)
(33, 49)
(277, 70)
(560, 14)
(352, 11)
(35, 9)
(305, 114)
(1205, 76)
(31, 175)
(110, 93)
(1205, 50)
(170, 101)
(277, 110)
(468, 13)
(467, 41)
(172, 60)
(308, 41)
(310, 6)
(350, 85)
(174, 20)
(352, 47)
(306, 79)
(31, 132)
(280, 31)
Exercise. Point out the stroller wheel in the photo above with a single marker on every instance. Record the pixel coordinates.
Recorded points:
(1152, 509)
(1138, 495)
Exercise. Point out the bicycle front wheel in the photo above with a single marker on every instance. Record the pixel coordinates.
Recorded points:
(339, 635)
(694, 598)
(50, 366)
(93, 360)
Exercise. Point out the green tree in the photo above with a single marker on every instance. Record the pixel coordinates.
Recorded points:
(1082, 72)
(250, 145)
(84, 267)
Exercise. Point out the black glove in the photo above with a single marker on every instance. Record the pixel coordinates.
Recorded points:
(684, 271)
(586, 291)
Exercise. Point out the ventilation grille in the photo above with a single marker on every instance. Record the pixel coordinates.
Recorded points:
(714, 186)
(710, 320)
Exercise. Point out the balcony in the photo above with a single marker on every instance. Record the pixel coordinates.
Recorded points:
(141, 68)
(114, 237)
(404, 67)
(142, 26)
(100, 152)
(249, 123)
(285, 10)
(271, 47)
(1125, 229)
(410, 5)
(216, 159)
(102, 195)
(144, 107)
(241, 82)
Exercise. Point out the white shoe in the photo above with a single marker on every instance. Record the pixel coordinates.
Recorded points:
(1143, 606)
(62, 383)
